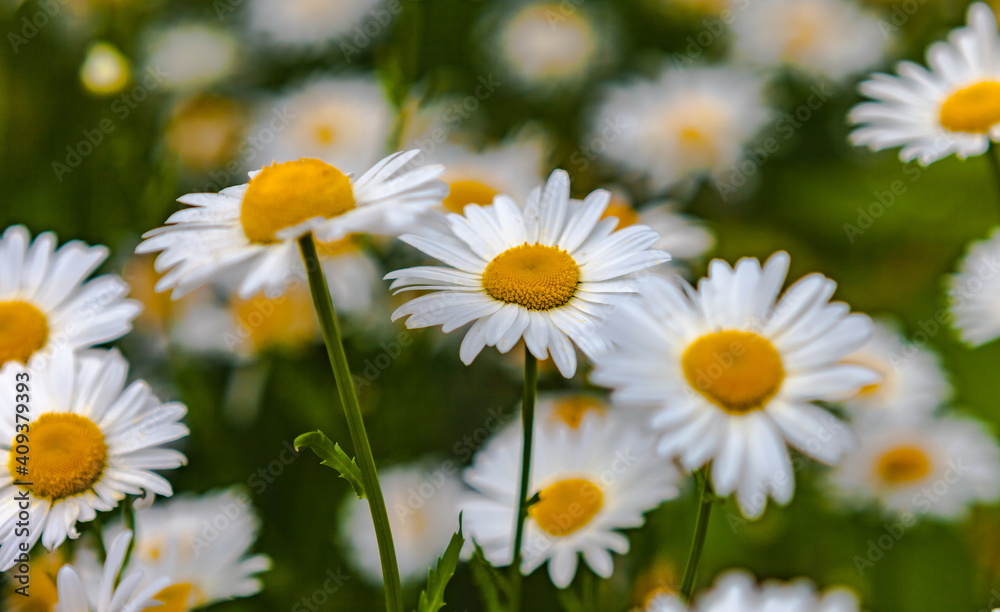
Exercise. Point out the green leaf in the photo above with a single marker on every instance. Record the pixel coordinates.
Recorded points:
(333, 456)
(488, 580)
(432, 597)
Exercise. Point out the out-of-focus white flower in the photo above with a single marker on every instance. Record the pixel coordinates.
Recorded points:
(809, 35)
(343, 121)
(192, 55)
(975, 292)
(304, 24)
(737, 591)
(105, 70)
(683, 124)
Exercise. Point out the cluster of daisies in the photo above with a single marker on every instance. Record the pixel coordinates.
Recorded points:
(734, 375)
(78, 439)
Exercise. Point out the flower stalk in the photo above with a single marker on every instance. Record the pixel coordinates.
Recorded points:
(355, 423)
(528, 429)
(707, 500)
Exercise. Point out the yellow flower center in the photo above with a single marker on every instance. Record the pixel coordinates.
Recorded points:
(535, 276)
(467, 192)
(67, 455)
(973, 109)
(285, 322)
(325, 134)
(570, 410)
(735, 370)
(43, 595)
(623, 211)
(903, 465)
(24, 329)
(347, 244)
(177, 598)
(566, 506)
(284, 195)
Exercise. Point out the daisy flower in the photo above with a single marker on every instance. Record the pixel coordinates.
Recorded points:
(253, 227)
(46, 301)
(912, 380)
(953, 107)
(592, 481)
(738, 590)
(171, 541)
(305, 24)
(926, 465)
(548, 272)
(106, 593)
(974, 292)
(192, 55)
(809, 35)
(422, 500)
(733, 372)
(682, 124)
(548, 46)
(93, 441)
(475, 177)
(343, 121)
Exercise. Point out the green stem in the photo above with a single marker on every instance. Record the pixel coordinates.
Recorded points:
(352, 409)
(994, 162)
(528, 429)
(700, 531)
(128, 519)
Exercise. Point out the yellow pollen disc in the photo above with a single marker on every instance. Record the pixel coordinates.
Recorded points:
(347, 244)
(285, 322)
(325, 135)
(624, 212)
(903, 465)
(535, 276)
(175, 598)
(468, 192)
(68, 454)
(284, 195)
(24, 329)
(974, 109)
(570, 410)
(735, 370)
(566, 506)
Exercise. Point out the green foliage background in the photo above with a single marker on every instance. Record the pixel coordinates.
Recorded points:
(427, 401)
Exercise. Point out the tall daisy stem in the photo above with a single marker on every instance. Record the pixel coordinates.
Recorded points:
(528, 429)
(994, 160)
(700, 531)
(352, 409)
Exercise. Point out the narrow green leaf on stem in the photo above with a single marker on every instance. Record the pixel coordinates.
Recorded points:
(528, 429)
(432, 597)
(355, 423)
(333, 456)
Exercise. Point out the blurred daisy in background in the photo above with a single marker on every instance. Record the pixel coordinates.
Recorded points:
(205, 131)
(512, 168)
(180, 541)
(312, 24)
(933, 466)
(683, 236)
(809, 36)
(549, 46)
(422, 501)
(912, 381)
(93, 442)
(954, 107)
(253, 227)
(548, 272)
(46, 301)
(105, 592)
(974, 292)
(343, 121)
(567, 409)
(734, 372)
(738, 590)
(191, 55)
(105, 70)
(592, 480)
(683, 124)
